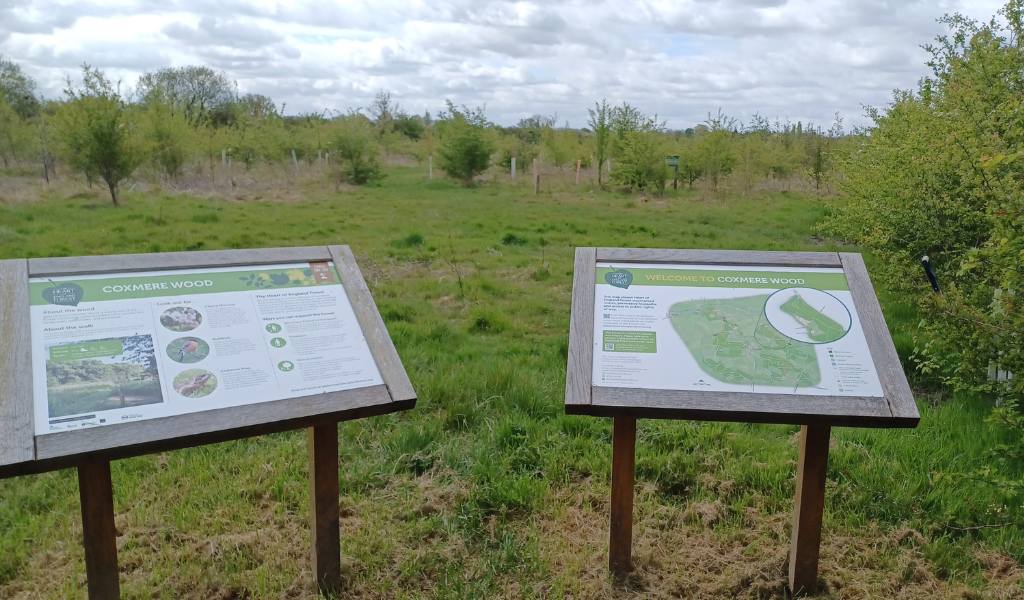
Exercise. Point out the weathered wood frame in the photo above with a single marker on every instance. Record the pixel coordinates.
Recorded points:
(816, 414)
(90, 450)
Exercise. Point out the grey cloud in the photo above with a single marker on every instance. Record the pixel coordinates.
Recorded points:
(216, 32)
(803, 59)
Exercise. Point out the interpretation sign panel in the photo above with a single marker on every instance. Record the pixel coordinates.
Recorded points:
(761, 329)
(116, 348)
(731, 335)
(108, 357)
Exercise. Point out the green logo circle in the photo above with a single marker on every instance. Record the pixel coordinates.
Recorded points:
(273, 328)
(278, 343)
(286, 365)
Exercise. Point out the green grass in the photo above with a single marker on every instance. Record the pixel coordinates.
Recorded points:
(487, 489)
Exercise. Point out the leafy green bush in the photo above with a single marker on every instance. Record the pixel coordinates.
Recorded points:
(356, 151)
(942, 174)
(466, 144)
(639, 150)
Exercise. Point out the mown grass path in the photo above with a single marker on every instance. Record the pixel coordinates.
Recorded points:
(487, 489)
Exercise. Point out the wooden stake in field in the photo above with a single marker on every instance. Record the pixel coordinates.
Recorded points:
(579, 163)
(536, 178)
(430, 167)
(513, 168)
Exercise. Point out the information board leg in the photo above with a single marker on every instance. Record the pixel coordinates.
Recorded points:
(97, 496)
(323, 507)
(808, 508)
(620, 539)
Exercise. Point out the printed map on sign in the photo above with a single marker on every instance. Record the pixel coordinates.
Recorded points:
(733, 342)
(754, 329)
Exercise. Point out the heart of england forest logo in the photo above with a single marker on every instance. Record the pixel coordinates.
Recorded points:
(65, 294)
(619, 278)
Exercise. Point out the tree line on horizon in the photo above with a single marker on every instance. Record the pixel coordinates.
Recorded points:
(191, 121)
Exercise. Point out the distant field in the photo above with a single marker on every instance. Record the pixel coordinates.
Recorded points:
(487, 489)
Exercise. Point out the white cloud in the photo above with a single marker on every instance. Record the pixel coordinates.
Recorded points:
(801, 59)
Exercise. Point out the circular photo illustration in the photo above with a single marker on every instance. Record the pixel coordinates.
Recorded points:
(181, 318)
(188, 350)
(808, 315)
(194, 383)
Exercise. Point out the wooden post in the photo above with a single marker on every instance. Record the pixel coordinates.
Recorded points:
(579, 163)
(620, 538)
(323, 507)
(223, 158)
(808, 508)
(96, 492)
(430, 167)
(536, 178)
(513, 168)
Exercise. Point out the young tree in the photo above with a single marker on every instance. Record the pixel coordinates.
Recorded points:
(170, 137)
(560, 147)
(98, 131)
(691, 167)
(640, 149)
(355, 150)
(383, 112)
(717, 155)
(15, 133)
(466, 145)
(600, 123)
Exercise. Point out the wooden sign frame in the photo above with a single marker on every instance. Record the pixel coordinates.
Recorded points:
(815, 414)
(91, 450)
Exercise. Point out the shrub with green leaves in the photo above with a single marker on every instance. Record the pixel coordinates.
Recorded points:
(356, 151)
(942, 174)
(466, 144)
(639, 149)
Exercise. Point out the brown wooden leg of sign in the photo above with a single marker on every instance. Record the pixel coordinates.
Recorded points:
(808, 508)
(97, 496)
(620, 539)
(323, 507)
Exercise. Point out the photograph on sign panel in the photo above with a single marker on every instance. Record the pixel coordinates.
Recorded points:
(97, 375)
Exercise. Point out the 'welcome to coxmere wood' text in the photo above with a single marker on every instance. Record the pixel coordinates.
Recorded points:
(145, 287)
(705, 278)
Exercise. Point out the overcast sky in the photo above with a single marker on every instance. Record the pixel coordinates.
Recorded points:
(801, 59)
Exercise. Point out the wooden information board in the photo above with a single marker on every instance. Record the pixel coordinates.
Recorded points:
(764, 337)
(107, 357)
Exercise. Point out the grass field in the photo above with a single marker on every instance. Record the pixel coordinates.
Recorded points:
(487, 489)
